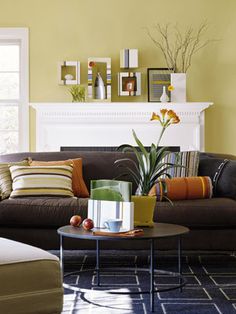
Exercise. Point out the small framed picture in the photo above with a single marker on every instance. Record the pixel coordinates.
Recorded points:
(129, 84)
(157, 78)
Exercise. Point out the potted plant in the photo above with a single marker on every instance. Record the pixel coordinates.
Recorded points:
(78, 93)
(148, 168)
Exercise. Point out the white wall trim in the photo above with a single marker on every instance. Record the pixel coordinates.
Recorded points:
(111, 124)
(21, 34)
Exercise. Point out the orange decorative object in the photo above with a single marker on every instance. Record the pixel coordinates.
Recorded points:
(75, 221)
(185, 188)
(88, 224)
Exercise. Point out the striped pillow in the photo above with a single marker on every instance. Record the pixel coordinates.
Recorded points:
(41, 180)
(188, 159)
(186, 188)
(5, 177)
(78, 185)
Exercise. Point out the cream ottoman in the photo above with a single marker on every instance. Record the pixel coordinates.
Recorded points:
(30, 280)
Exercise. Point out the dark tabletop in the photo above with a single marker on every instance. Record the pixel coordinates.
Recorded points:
(160, 230)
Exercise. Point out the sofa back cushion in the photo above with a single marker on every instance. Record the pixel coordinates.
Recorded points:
(188, 159)
(96, 165)
(223, 175)
(41, 180)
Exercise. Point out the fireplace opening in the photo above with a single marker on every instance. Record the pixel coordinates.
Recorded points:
(107, 148)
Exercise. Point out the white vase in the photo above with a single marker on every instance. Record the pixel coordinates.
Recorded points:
(178, 81)
(164, 97)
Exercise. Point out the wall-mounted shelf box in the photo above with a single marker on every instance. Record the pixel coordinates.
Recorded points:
(69, 72)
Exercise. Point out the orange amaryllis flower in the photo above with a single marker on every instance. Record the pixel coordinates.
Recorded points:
(168, 117)
(172, 117)
(155, 117)
(163, 112)
(175, 120)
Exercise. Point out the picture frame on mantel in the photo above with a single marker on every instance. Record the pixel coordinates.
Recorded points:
(157, 78)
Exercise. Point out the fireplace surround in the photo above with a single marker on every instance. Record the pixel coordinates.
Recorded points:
(111, 124)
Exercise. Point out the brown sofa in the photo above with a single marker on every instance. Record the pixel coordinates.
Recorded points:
(35, 220)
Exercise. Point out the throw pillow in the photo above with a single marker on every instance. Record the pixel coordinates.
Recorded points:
(223, 175)
(189, 160)
(5, 177)
(186, 188)
(41, 181)
(78, 185)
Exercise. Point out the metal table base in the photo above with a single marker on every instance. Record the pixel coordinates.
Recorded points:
(151, 270)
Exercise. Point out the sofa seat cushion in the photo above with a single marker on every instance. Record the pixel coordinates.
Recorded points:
(31, 279)
(41, 212)
(202, 213)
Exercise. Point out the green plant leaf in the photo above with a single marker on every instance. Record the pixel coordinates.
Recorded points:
(140, 145)
(119, 162)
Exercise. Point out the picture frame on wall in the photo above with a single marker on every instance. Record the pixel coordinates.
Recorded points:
(157, 78)
(129, 84)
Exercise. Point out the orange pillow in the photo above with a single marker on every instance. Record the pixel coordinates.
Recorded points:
(78, 185)
(182, 188)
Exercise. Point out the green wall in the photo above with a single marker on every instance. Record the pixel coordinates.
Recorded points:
(77, 29)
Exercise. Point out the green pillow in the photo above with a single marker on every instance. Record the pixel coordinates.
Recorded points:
(5, 177)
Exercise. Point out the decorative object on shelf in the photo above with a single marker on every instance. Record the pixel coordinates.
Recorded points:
(178, 80)
(164, 97)
(149, 167)
(69, 72)
(128, 58)
(78, 93)
(99, 87)
(129, 84)
(69, 77)
(157, 78)
(99, 79)
(178, 48)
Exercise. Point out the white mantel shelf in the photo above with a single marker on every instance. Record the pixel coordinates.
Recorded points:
(111, 124)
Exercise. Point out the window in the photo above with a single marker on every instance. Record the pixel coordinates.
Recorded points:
(14, 115)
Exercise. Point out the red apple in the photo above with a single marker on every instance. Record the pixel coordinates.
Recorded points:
(75, 221)
(88, 224)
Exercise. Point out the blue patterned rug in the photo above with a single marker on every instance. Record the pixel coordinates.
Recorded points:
(210, 289)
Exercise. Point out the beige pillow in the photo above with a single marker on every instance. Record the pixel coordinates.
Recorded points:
(41, 181)
(5, 177)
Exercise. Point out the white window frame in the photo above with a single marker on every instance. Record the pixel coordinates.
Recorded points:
(21, 34)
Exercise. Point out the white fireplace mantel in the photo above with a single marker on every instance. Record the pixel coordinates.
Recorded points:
(111, 124)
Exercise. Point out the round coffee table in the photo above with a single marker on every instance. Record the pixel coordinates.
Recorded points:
(160, 230)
